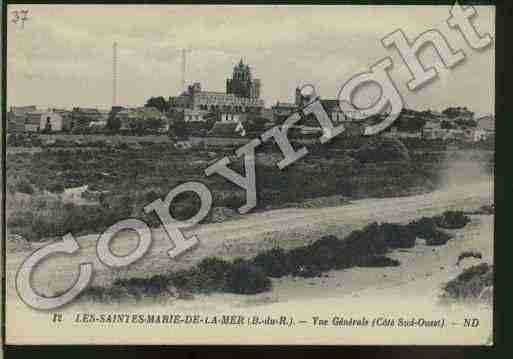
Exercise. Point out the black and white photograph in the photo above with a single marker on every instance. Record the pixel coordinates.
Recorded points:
(249, 174)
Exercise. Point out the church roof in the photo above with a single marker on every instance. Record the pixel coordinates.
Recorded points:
(241, 65)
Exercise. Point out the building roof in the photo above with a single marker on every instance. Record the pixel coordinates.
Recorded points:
(23, 109)
(241, 65)
(285, 105)
(88, 110)
(218, 93)
(60, 111)
(34, 117)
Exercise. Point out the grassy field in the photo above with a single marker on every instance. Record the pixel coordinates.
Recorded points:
(129, 176)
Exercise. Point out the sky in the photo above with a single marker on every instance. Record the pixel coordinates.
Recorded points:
(62, 56)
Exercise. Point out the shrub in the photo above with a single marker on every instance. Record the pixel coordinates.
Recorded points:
(24, 187)
(98, 143)
(139, 287)
(232, 201)
(364, 247)
(360, 245)
(379, 261)
(470, 283)
(215, 271)
(185, 211)
(274, 262)
(21, 218)
(221, 214)
(211, 274)
(331, 253)
(150, 196)
(105, 294)
(452, 220)
(56, 188)
(399, 236)
(123, 146)
(379, 150)
(245, 278)
(439, 238)
(190, 279)
(61, 143)
(426, 228)
(49, 219)
(185, 206)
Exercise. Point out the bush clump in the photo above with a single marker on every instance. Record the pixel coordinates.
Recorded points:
(361, 247)
(382, 150)
(48, 218)
(56, 188)
(452, 220)
(105, 294)
(399, 236)
(139, 287)
(470, 283)
(365, 248)
(24, 187)
(245, 278)
(380, 261)
(439, 238)
(274, 262)
(215, 272)
(211, 274)
(426, 228)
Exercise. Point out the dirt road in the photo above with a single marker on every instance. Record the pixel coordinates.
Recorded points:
(249, 234)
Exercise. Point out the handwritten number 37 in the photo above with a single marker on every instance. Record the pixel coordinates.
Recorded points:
(19, 15)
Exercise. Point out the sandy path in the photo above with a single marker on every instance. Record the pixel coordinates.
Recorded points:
(253, 232)
(420, 277)
(408, 291)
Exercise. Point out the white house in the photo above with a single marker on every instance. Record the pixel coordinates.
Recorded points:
(477, 134)
(194, 115)
(433, 130)
(233, 117)
(51, 121)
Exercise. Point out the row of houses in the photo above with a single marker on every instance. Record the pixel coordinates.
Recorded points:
(434, 130)
(456, 123)
(147, 118)
(30, 119)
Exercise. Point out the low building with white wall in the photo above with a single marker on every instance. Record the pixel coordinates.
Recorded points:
(51, 121)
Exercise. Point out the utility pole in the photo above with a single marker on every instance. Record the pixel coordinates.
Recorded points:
(114, 73)
(184, 68)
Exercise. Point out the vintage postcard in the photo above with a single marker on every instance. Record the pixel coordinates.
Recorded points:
(236, 174)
